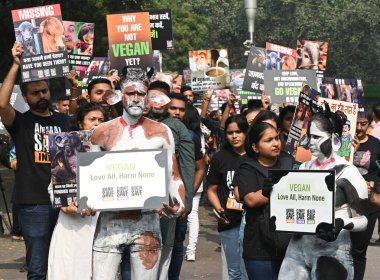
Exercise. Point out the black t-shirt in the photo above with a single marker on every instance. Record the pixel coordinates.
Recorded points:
(365, 159)
(30, 135)
(222, 168)
(249, 180)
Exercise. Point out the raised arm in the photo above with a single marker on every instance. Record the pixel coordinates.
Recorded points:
(7, 113)
(73, 105)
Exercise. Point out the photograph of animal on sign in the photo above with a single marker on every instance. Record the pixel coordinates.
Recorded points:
(27, 33)
(311, 55)
(279, 57)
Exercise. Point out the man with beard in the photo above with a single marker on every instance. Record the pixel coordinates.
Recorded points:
(29, 132)
(158, 92)
(134, 235)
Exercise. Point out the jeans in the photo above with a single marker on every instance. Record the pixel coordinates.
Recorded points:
(244, 274)
(37, 224)
(262, 269)
(193, 224)
(231, 247)
(177, 253)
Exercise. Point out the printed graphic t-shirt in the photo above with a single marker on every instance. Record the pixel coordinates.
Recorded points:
(365, 159)
(30, 135)
(222, 169)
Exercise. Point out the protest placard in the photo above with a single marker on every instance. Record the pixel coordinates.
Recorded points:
(302, 199)
(40, 31)
(285, 85)
(129, 40)
(98, 68)
(254, 75)
(64, 148)
(161, 29)
(349, 127)
(123, 180)
(297, 143)
(350, 90)
(279, 57)
(79, 40)
(209, 69)
(311, 55)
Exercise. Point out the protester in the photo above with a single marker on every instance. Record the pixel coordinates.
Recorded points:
(29, 132)
(171, 230)
(188, 92)
(366, 155)
(220, 192)
(71, 244)
(263, 147)
(326, 255)
(192, 121)
(135, 233)
(62, 105)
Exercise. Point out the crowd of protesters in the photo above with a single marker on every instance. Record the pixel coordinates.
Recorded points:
(223, 155)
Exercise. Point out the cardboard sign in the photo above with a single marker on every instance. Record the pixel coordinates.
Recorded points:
(209, 69)
(285, 85)
(129, 40)
(123, 180)
(40, 30)
(279, 57)
(254, 75)
(302, 199)
(161, 29)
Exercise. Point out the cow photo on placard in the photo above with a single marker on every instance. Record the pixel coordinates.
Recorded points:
(279, 57)
(41, 32)
(311, 55)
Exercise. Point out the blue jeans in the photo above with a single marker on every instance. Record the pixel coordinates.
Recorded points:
(37, 223)
(230, 242)
(178, 250)
(262, 270)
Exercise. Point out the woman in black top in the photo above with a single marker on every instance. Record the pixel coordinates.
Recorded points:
(263, 148)
(220, 192)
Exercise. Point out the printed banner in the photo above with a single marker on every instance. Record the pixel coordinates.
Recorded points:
(17, 102)
(302, 199)
(312, 55)
(285, 85)
(209, 69)
(350, 90)
(297, 143)
(161, 29)
(98, 68)
(349, 128)
(129, 40)
(279, 57)
(64, 148)
(40, 30)
(123, 180)
(254, 75)
(79, 40)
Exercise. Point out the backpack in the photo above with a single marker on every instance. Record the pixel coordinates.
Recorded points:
(278, 241)
(5, 148)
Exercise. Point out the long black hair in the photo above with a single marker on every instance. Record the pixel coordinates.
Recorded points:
(192, 120)
(242, 124)
(254, 136)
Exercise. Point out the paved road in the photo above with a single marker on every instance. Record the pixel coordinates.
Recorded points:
(206, 266)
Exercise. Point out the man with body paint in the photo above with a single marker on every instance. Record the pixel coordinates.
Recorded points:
(136, 233)
(326, 255)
